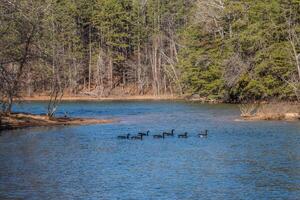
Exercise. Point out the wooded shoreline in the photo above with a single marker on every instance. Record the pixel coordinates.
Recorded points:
(229, 50)
(215, 50)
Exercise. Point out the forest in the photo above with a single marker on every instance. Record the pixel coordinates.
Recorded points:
(225, 50)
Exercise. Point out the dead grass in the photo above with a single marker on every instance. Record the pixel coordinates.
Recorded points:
(272, 111)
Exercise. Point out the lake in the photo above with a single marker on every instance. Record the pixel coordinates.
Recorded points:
(238, 160)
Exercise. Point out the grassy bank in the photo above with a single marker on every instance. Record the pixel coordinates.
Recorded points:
(270, 111)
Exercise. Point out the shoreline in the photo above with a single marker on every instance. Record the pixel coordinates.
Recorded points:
(27, 120)
(111, 98)
(125, 98)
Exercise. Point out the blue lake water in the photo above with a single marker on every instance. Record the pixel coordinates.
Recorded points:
(238, 160)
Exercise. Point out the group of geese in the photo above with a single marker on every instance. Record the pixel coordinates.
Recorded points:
(140, 135)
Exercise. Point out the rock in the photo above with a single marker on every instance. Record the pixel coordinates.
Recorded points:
(195, 97)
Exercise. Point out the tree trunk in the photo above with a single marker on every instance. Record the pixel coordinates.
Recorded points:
(139, 70)
(9, 105)
(297, 57)
(110, 73)
(90, 57)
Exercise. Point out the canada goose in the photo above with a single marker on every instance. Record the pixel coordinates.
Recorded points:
(66, 115)
(124, 136)
(183, 135)
(203, 133)
(137, 137)
(144, 134)
(170, 134)
(159, 136)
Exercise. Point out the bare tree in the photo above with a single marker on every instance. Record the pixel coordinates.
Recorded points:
(19, 30)
(8, 90)
(294, 40)
(234, 68)
(295, 44)
(210, 13)
(100, 74)
(56, 94)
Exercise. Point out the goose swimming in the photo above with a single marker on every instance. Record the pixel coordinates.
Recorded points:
(170, 134)
(159, 136)
(124, 136)
(203, 133)
(144, 134)
(137, 137)
(183, 135)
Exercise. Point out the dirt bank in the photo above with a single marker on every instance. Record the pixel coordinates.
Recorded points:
(23, 120)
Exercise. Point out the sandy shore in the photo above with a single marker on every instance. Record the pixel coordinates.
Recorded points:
(23, 120)
(111, 98)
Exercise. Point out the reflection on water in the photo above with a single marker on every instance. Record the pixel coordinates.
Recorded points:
(238, 160)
